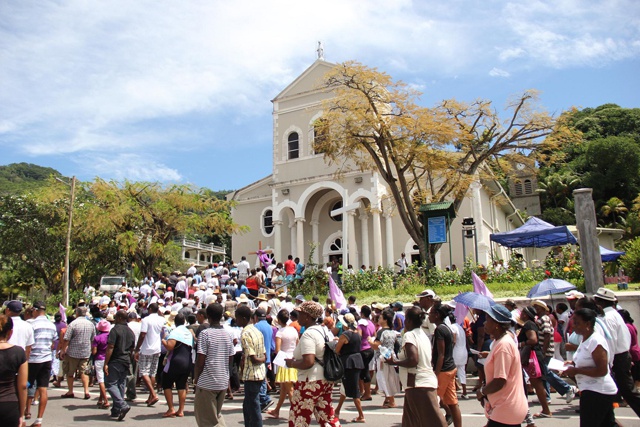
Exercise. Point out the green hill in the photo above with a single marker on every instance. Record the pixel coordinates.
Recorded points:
(19, 178)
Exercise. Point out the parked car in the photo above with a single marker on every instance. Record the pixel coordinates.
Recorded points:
(112, 283)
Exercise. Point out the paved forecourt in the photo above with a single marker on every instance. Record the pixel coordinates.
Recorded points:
(65, 412)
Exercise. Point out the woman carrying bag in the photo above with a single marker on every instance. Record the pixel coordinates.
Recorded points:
(178, 366)
(531, 357)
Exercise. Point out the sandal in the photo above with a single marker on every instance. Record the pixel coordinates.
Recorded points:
(169, 415)
(27, 416)
(67, 395)
(389, 405)
(542, 415)
(358, 420)
(153, 401)
(36, 424)
(87, 396)
(179, 414)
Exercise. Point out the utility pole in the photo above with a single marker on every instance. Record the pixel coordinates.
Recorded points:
(65, 276)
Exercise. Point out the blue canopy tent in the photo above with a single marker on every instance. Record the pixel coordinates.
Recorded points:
(535, 233)
(608, 255)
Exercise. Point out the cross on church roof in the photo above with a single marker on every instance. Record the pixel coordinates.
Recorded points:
(320, 51)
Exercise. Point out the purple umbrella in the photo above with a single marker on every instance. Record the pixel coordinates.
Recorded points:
(550, 286)
(474, 300)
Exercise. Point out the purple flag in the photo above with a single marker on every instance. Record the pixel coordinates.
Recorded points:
(155, 294)
(460, 312)
(63, 313)
(336, 294)
(131, 299)
(479, 287)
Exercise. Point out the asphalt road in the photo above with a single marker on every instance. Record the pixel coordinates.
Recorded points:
(65, 412)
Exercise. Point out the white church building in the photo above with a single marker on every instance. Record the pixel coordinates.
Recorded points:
(288, 212)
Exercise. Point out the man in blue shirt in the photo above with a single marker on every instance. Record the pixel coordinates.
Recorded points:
(260, 322)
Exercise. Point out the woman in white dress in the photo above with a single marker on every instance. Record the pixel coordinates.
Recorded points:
(387, 378)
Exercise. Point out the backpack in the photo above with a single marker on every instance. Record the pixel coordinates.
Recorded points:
(331, 363)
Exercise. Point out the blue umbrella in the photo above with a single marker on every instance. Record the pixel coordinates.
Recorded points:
(550, 286)
(474, 300)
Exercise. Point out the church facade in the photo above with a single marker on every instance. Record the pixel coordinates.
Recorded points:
(289, 212)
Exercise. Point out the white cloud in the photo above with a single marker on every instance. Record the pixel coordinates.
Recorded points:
(497, 72)
(571, 33)
(128, 166)
(116, 76)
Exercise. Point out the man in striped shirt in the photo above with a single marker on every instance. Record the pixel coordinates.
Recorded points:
(252, 366)
(215, 353)
(44, 334)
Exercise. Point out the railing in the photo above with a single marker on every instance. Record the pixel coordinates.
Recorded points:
(195, 244)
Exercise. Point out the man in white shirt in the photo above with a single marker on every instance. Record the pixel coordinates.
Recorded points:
(45, 333)
(192, 269)
(181, 287)
(621, 338)
(402, 263)
(243, 268)
(147, 351)
(145, 290)
(22, 331)
(207, 273)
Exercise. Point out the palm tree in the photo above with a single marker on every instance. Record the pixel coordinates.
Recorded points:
(614, 208)
(557, 189)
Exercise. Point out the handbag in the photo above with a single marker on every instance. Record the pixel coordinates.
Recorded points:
(331, 363)
(533, 368)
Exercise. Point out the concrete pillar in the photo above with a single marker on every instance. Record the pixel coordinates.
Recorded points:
(353, 246)
(476, 206)
(588, 239)
(277, 240)
(389, 239)
(377, 238)
(294, 240)
(300, 239)
(316, 241)
(364, 231)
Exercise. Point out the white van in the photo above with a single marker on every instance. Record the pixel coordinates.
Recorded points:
(111, 283)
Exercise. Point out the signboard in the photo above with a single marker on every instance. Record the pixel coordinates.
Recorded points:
(437, 230)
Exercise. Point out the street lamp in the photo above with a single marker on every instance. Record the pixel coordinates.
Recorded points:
(65, 276)
(469, 232)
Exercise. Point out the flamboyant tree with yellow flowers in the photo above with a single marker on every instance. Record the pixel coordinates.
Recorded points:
(423, 154)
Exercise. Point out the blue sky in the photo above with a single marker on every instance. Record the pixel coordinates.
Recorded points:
(180, 91)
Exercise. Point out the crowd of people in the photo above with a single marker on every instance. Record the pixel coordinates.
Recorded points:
(233, 330)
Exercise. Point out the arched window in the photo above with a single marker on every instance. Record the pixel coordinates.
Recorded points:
(518, 186)
(336, 246)
(336, 205)
(528, 188)
(187, 255)
(293, 145)
(319, 135)
(267, 221)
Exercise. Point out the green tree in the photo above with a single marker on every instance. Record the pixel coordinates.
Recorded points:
(32, 240)
(145, 219)
(611, 167)
(613, 210)
(556, 189)
(422, 154)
